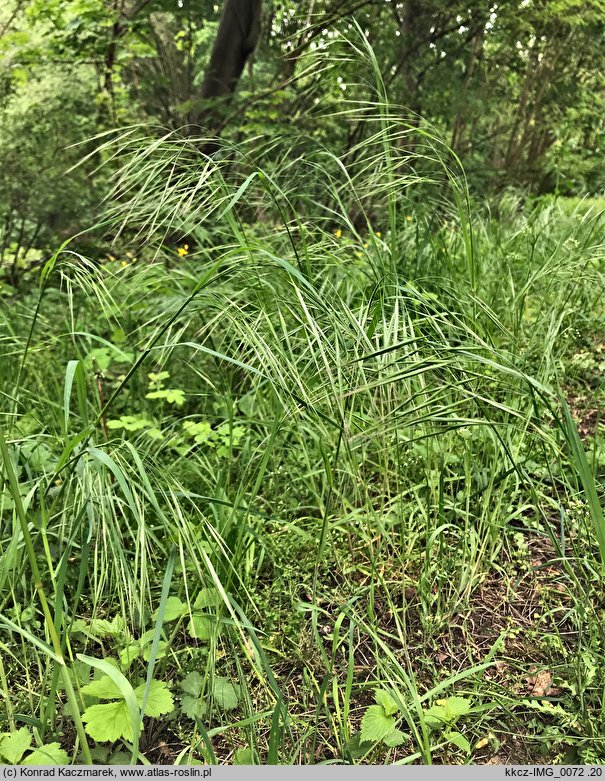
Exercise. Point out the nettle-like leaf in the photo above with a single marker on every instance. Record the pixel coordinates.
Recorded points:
(14, 744)
(49, 754)
(447, 712)
(395, 738)
(389, 705)
(376, 725)
(245, 756)
(356, 747)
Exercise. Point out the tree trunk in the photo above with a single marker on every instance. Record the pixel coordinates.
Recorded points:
(236, 39)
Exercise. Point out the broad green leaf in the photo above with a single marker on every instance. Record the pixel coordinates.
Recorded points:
(435, 717)
(128, 654)
(103, 688)
(225, 693)
(356, 747)
(194, 707)
(119, 758)
(201, 431)
(14, 744)
(145, 642)
(116, 718)
(172, 396)
(99, 358)
(108, 722)
(130, 423)
(159, 699)
(101, 628)
(395, 738)
(458, 740)
(100, 755)
(447, 712)
(158, 379)
(200, 627)
(162, 645)
(174, 609)
(376, 725)
(389, 705)
(208, 597)
(245, 756)
(192, 684)
(49, 754)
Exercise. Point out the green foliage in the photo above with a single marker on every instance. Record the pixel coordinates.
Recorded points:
(197, 697)
(378, 725)
(171, 395)
(14, 745)
(110, 721)
(321, 416)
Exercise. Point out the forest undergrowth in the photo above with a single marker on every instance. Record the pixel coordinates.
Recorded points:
(307, 468)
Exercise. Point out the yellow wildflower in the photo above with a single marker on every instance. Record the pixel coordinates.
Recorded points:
(123, 264)
(184, 250)
(409, 218)
(111, 258)
(379, 234)
(366, 245)
(338, 233)
(129, 255)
